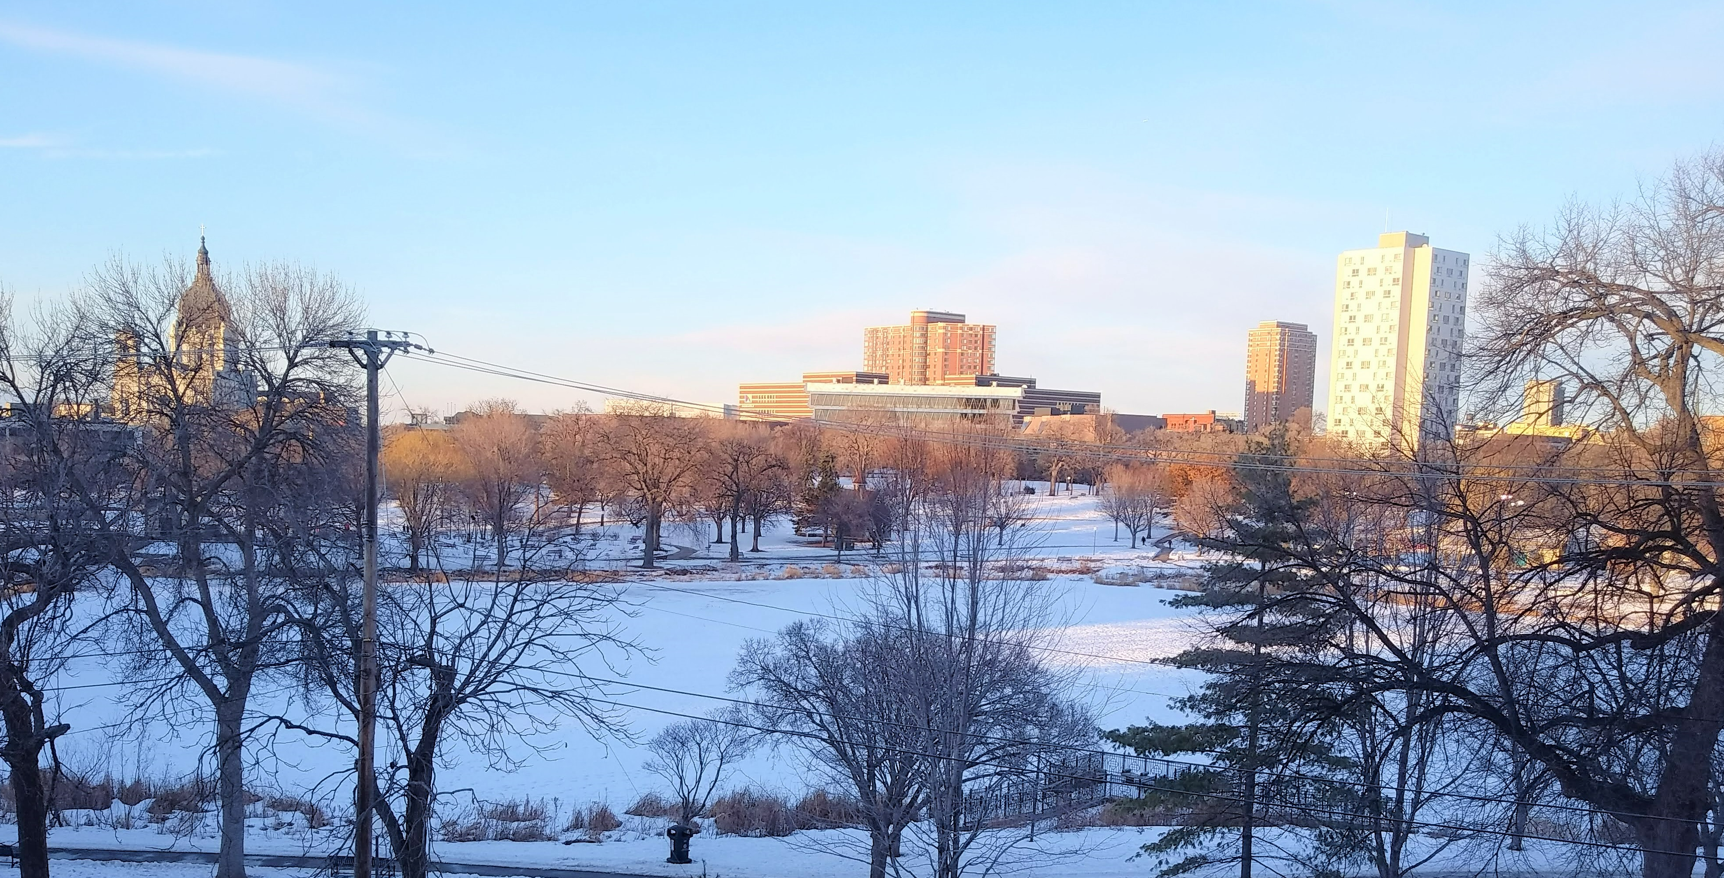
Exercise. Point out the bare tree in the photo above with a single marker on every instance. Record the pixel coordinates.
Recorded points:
(54, 453)
(769, 497)
(693, 757)
(503, 467)
(844, 692)
(741, 471)
(656, 458)
(986, 707)
(424, 472)
(244, 429)
(574, 469)
(1133, 496)
(491, 663)
(1624, 304)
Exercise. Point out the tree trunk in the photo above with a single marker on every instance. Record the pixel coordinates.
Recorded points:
(1670, 840)
(23, 753)
(877, 849)
(415, 854)
(718, 528)
(230, 785)
(647, 546)
(735, 517)
(758, 522)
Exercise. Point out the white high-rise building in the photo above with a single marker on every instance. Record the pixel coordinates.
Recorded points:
(1400, 321)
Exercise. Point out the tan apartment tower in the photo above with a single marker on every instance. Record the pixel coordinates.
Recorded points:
(933, 347)
(1395, 359)
(1280, 372)
(1543, 403)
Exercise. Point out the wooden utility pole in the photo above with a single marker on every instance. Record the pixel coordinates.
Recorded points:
(371, 352)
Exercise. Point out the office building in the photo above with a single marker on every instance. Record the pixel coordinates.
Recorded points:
(788, 400)
(1400, 323)
(1202, 422)
(931, 347)
(1280, 371)
(1035, 400)
(926, 406)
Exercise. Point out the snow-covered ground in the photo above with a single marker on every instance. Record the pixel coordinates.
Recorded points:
(1114, 622)
(693, 627)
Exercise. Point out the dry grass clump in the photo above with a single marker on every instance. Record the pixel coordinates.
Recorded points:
(315, 817)
(181, 798)
(597, 818)
(523, 820)
(822, 810)
(755, 815)
(651, 805)
(791, 571)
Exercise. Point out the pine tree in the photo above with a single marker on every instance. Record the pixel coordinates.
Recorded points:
(1251, 739)
(812, 502)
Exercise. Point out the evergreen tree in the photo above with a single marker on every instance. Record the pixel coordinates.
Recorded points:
(816, 495)
(1252, 736)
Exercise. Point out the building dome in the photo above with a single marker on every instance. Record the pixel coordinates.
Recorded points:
(202, 304)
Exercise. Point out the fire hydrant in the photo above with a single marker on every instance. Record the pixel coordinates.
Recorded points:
(679, 836)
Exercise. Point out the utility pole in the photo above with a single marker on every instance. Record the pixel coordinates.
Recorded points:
(371, 352)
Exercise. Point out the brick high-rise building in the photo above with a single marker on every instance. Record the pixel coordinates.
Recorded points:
(934, 346)
(1280, 372)
(1400, 324)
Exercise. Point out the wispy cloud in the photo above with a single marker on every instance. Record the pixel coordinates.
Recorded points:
(130, 154)
(61, 147)
(318, 91)
(28, 141)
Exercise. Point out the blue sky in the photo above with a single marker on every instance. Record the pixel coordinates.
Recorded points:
(675, 197)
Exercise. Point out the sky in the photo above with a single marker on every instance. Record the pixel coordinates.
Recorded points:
(677, 197)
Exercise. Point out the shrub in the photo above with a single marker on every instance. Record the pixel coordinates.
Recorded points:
(791, 571)
(832, 571)
(752, 814)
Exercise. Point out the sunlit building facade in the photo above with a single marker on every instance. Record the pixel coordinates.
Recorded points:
(1280, 372)
(933, 346)
(1395, 361)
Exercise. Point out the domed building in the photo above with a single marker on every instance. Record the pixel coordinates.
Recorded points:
(201, 364)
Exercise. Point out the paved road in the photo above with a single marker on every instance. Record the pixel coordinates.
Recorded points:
(303, 862)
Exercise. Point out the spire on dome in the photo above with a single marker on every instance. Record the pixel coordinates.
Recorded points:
(203, 254)
(202, 303)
